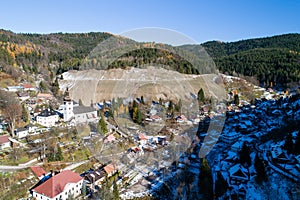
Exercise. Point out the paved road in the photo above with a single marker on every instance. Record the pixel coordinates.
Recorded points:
(74, 165)
(6, 168)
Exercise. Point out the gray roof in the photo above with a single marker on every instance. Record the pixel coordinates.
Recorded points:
(47, 113)
(83, 109)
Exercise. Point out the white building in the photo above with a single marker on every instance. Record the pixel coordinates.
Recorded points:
(21, 132)
(4, 142)
(81, 114)
(68, 107)
(62, 186)
(47, 118)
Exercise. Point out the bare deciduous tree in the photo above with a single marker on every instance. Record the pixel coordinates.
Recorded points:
(11, 109)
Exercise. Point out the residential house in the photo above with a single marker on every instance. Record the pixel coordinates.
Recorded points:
(38, 171)
(279, 156)
(95, 177)
(134, 152)
(142, 139)
(155, 118)
(110, 138)
(4, 142)
(238, 174)
(21, 132)
(230, 137)
(47, 118)
(28, 87)
(237, 146)
(31, 128)
(44, 96)
(181, 118)
(110, 169)
(23, 96)
(14, 88)
(62, 186)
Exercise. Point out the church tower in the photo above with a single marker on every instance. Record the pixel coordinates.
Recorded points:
(68, 109)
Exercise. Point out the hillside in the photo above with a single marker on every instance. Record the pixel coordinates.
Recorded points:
(272, 60)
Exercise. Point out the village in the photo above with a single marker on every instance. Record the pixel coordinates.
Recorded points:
(135, 148)
(59, 136)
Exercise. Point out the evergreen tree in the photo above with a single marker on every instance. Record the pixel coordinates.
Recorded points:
(138, 119)
(102, 128)
(178, 106)
(142, 100)
(245, 158)
(43, 87)
(55, 87)
(171, 106)
(80, 102)
(83, 191)
(221, 185)
(297, 145)
(205, 183)
(160, 101)
(59, 155)
(236, 100)
(260, 169)
(289, 145)
(116, 194)
(25, 114)
(201, 97)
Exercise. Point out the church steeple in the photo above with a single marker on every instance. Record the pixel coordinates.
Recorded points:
(67, 95)
(68, 103)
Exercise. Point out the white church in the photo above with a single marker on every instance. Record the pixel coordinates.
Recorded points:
(76, 114)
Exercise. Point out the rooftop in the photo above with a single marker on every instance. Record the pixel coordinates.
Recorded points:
(3, 139)
(38, 171)
(83, 109)
(47, 113)
(56, 184)
(109, 168)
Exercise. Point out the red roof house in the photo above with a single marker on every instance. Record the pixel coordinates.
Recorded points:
(27, 87)
(109, 169)
(4, 141)
(110, 138)
(60, 186)
(38, 171)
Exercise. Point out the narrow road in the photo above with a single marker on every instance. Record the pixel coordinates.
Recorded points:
(75, 165)
(6, 168)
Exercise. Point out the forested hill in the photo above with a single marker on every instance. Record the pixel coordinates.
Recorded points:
(219, 49)
(273, 60)
(33, 52)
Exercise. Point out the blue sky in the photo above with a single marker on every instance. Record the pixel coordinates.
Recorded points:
(202, 20)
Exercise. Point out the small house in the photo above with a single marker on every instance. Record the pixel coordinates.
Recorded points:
(4, 142)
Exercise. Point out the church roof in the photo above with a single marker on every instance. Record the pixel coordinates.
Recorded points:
(83, 109)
